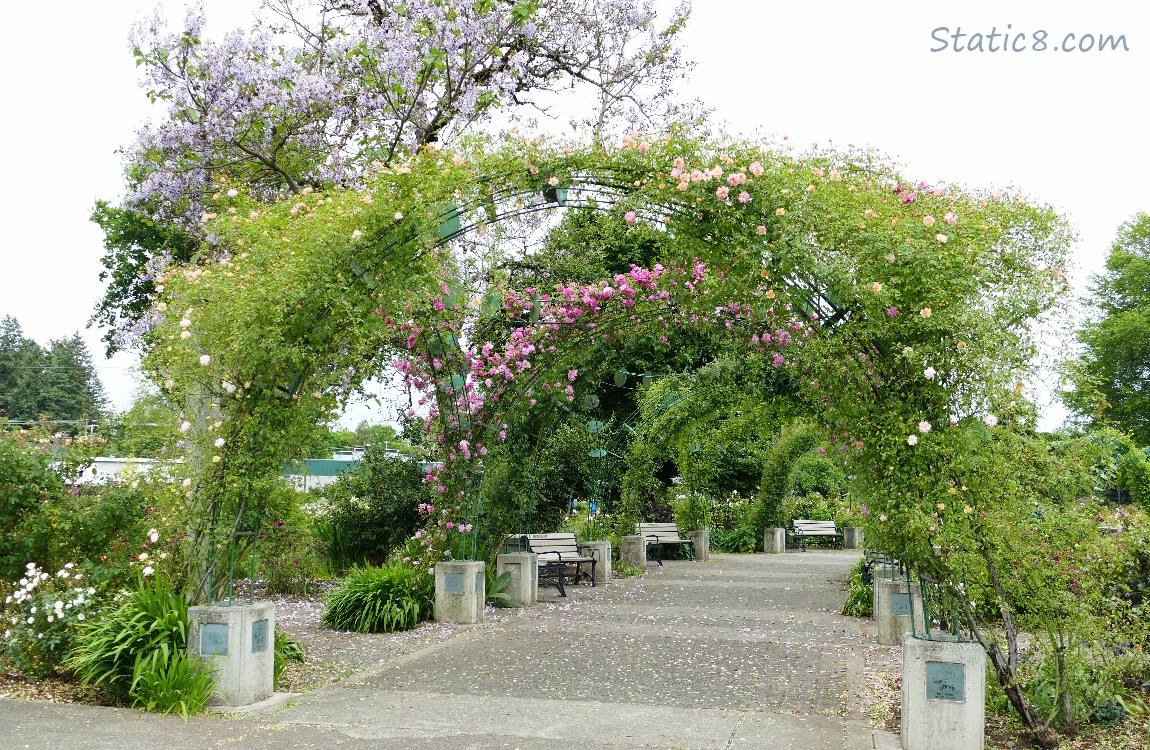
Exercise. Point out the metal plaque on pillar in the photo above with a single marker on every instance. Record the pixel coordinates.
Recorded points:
(214, 639)
(945, 681)
(453, 583)
(900, 604)
(259, 636)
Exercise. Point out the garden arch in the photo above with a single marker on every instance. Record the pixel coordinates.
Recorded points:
(903, 309)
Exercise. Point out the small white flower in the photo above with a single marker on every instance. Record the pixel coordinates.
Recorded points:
(205, 360)
(228, 387)
(153, 536)
(356, 234)
(188, 482)
(398, 215)
(69, 566)
(148, 570)
(232, 193)
(91, 591)
(185, 335)
(143, 556)
(929, 373)
(31, 620)
(990, 420)
(184, 323)
(924, 427)
(220, 442)
(50, 618)
(30, 566)
(80, 616)
(912, 440)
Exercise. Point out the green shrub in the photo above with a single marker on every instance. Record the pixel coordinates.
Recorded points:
(286, 649)
(372, 510)
(289, 553)
(41, 618)
(166, 680)
(143, 623)
(742, 540)
(393, 596)
(860, 596)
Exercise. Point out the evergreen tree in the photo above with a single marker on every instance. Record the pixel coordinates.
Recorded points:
(59, 382)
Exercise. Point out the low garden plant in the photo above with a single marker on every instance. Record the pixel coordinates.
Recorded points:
(136, 651)
(381, 599)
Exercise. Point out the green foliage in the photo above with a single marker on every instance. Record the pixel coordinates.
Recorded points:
(41, 517)
(393, 596)
(817, 472)
(147, 626)
(860, 596)
(373, 509)
(58, 382)
(795, 439)
(286, 649)
(497, 589)
(41, 615)
(131, 241)
(1110, 375)
(166, 680)
(289, 554)
(145, 429)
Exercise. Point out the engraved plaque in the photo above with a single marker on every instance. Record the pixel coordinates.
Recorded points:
(214, 639)
(900, 604)
(945, 681)
(453, 583)
(534, 570)
(478, 581)
(259, 636)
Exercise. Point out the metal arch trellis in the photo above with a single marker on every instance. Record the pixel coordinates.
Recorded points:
(600, 187)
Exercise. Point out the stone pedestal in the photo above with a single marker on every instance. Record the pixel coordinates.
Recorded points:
(239, 642)
(460, 592)
(523, 585)
(601, 551)
(852, 537)
(943, 695)
(775, 540)
(701, 541)
(896, 602)
(633, 551)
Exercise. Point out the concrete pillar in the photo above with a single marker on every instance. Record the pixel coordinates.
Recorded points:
(601, 551)
(943, 695)
(633, 551)
(239, 642)
(896, 602)
(852, 537)
(701, 541)
(460, 591)
(775, 540)
(879, 570)
(524, 569)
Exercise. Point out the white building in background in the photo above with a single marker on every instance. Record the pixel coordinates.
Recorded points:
(106, 468)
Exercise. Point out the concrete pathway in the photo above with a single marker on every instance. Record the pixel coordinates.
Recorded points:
(740, 652)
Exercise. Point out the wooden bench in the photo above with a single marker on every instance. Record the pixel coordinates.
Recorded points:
(660, 535)
(801, 530)
(556, 552)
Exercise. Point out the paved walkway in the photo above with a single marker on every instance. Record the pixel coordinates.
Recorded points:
(740, 652)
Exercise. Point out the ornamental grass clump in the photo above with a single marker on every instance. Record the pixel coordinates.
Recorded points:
(137, 653)
(393, 596)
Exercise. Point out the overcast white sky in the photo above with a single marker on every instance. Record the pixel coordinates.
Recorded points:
(1067, 127)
